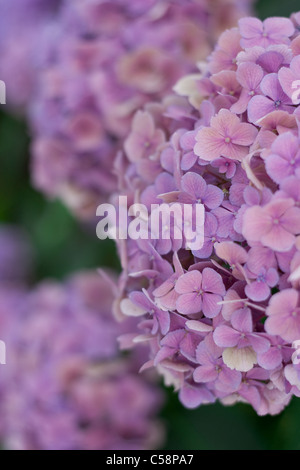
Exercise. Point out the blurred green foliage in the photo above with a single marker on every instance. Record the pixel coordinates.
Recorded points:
(62, 246)
(267, 8)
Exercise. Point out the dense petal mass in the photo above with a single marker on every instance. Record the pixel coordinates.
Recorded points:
(80, 69)
(65, 380)
(221, 317)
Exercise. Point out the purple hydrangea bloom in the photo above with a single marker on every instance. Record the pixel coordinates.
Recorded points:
(230, 308)
(64, 386)
(97, 63)
(21, 27)
(199, 292)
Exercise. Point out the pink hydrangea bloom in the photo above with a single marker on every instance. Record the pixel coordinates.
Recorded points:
(274, 225)
(271, 31)
(283, 315)
(227, 137)
(284, 158)
(199, 292)
(220, 320)
(94, 63)
(272, 98)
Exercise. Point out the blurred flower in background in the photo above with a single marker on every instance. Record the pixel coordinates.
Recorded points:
(64, 385)
(221, 319)
(21, 27)
(16, 255)
(91, 65)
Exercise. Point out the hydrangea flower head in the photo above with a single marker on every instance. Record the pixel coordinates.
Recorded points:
(98, 63)
(77, 393)
(231, 142)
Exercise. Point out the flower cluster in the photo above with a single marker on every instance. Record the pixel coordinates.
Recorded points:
(99, 62)
(64, 386)
(222, 321)
(21, 27)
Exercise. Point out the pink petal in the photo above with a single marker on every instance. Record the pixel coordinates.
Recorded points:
(164, 321)
(251, 394)
(272, 277)
(257, 291)
(189, 282)
(270, 359)
(259, 343)
(271, 61)
(260, 256)
(173, 339)
(280, 26)
(231, 252)
(224, 122)
(256, 223)
(250, 75)
(205, 374)
(188, 346)
(259, 106)
(286, 300)
(290, 221)
(286, 326)
(287, 78)
(188, 304)
(278, 207)
(234, 151)
(188, 160)
(225, 219)
(278, 168)
(226, 79)
(162, 354)
(210, 305)
(250, 27)
(295, 46)
(241, 320)
(168, 301)
(286, 145)
(212, 282)
(213, 197)
(164, 288)
(143, 123)
(133, 147)
(226, 337)
(193, 184)
(245, 135)
(278, 239)
(271, 87)
(209, 144)
(241, 105)
(229, 380)
(191, 397)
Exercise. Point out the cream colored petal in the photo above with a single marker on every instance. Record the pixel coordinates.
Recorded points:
(242, 360)
(129, 309)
